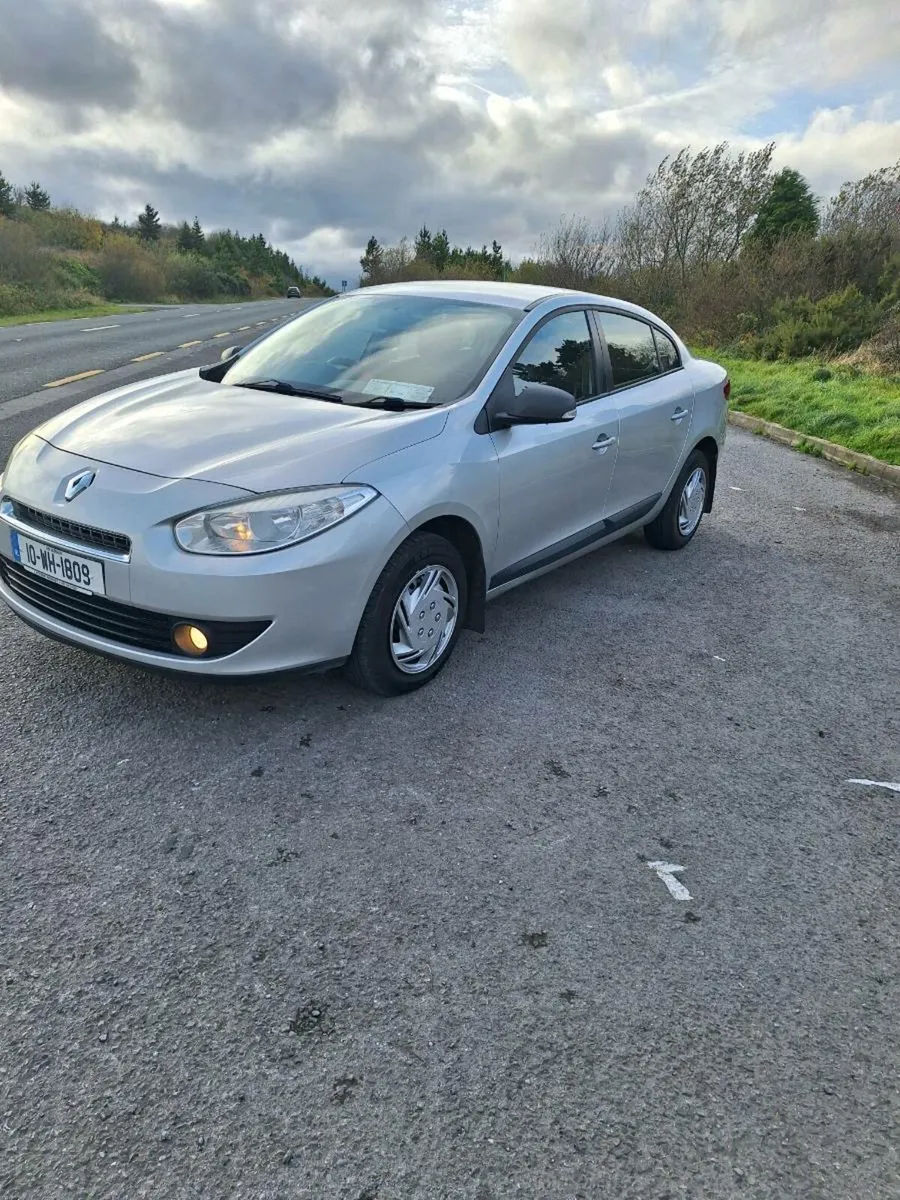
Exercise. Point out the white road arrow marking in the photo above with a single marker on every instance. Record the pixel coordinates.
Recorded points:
(893, 787)
(666, 872)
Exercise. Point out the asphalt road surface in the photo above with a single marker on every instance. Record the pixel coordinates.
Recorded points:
(284, 940)
(33, 356)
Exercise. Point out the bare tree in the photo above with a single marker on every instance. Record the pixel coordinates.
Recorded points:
(577, 252)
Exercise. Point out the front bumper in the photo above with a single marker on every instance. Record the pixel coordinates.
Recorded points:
(301, 605)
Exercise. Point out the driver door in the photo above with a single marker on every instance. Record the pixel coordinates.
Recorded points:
(554, 479)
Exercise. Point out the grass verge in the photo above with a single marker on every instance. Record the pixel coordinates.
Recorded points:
(839, 404)
(70, 314)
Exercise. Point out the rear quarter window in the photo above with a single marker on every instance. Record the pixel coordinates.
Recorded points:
(669, 357)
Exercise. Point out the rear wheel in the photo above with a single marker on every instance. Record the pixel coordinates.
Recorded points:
(682, 513)
(413, 618)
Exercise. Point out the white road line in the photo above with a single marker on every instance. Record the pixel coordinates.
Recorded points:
(97, 328)
(666, 872)
(892, 787)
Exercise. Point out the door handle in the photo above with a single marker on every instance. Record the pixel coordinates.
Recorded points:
(603, 443)
(678, 415)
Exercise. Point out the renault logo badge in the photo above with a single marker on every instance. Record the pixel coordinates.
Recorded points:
(79, 483)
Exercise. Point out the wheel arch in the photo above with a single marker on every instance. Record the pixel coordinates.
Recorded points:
(464, 537)
(710, 447)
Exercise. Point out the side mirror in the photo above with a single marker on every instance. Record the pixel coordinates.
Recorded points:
(231, 352)
(535, 404)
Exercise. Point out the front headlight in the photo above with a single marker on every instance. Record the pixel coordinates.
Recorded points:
(266, 523)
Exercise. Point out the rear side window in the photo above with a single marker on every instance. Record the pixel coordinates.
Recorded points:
(667, 351)
(632, 350)
(560, 353)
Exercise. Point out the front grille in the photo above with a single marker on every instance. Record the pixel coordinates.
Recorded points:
(122, 622)
(87, 535)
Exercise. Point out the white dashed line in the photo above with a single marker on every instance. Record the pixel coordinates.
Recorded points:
(97, 328)
(892, 787)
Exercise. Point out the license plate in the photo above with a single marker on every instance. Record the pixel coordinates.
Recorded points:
(82, 574)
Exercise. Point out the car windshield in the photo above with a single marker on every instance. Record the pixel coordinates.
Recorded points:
(417, 349)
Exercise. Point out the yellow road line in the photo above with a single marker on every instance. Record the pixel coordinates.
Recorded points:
(73, 378)
(184, 345)
(152, 354)
(227, 333)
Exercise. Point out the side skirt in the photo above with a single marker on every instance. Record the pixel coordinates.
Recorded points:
(575, 544)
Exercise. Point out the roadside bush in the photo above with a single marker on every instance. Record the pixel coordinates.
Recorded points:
(21, 258)
(190, 277)
(230, 283)
(17, 298)
(74, 274)
(65, 229)
(129, 272)
(834, 324)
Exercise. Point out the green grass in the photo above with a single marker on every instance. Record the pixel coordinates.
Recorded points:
(839, 404)
(68, 314)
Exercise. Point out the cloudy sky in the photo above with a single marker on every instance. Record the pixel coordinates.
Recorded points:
(321, 122)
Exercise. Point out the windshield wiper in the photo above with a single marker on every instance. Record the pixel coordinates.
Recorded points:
(283, 388)
(394, 403)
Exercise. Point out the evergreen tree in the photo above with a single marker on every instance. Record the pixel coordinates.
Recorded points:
(185, 239)
(7, 200)
(36, 198)
(789, 208)
(440, 250)
(372, 261)
(149, 225)
(197, 234)
(424, 251)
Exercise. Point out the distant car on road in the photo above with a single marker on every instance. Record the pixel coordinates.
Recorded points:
(354, 485)
(294, 293)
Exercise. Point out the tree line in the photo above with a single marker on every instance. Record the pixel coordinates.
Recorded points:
(728, 249)
(59, 258)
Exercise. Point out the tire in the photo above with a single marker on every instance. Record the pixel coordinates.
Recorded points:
(378, 649)
(674, 528)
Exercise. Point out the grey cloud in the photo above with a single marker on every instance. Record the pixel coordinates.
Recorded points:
(234, 69)
(58, 51)
(232, 74)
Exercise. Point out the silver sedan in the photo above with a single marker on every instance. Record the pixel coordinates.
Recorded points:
(354, 486)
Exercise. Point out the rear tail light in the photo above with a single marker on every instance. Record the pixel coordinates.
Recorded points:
(727, 388)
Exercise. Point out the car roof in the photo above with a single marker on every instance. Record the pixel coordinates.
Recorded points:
(509, 295)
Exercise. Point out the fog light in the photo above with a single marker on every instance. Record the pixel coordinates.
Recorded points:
(190, 640)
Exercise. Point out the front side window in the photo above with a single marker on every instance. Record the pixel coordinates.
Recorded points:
(560, 353)
(416, 348)
(632, 350)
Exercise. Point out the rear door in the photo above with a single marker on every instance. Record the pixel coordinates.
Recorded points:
(554, 479)
(655, 401)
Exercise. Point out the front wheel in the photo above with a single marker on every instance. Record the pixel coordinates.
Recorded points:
(682, 513)
(413, 618)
